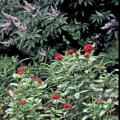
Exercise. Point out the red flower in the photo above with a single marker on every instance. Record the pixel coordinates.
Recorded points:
(58, 56)
(55, 96)
(70, 51)
(36, 78)
(22, 102)
(21, 70)
(88, 47)
(67, 106)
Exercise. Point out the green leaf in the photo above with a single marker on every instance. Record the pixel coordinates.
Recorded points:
(85, 117)
(64, 85)
(77, 95)
(14, 84)
(84, 91)
(1, 108)
(102, 113)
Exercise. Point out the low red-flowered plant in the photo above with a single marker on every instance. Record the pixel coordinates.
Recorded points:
(67, 106)
(88, 47)
(58, 56)
(55, 96)
(70, 51)
(22, 102)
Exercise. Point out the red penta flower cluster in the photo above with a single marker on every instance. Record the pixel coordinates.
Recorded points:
(55, 96)
(88, 47)
(70, 51)
(67, 106)
(58, 56)
(22, 102)
(21, 70)
(36, 78)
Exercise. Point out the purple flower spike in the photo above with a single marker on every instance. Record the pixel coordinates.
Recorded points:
(107, 26)
(28, 7)
(21, 27)
(6, 26)
(110, 26)
(9, 17)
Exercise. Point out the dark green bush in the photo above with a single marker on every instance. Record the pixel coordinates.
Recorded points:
(57, 24)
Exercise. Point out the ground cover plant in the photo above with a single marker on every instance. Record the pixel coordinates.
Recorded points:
(72, 89)
(59, 59)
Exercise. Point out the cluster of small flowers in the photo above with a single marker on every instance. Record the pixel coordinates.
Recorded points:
(28, 7)
(53, 13)
(110, 26)
(21, 70)
(58, 96)
(87, 49)
(14, 22)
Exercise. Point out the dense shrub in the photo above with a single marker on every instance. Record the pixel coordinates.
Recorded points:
(72, 90)
(57, 25)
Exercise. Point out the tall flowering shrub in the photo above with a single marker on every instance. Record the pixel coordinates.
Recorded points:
(55, 25)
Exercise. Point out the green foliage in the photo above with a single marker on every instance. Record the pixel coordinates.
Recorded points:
(47, 24)
(74, 77)
(113, 48)
(99, 17)
(7, 66)
(83, 82)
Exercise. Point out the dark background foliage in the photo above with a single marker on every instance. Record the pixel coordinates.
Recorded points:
(76, 23)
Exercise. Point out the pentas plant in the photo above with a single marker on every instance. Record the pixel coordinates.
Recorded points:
(27, 98)
(76, 87)
(32, 100)
(84, 80)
